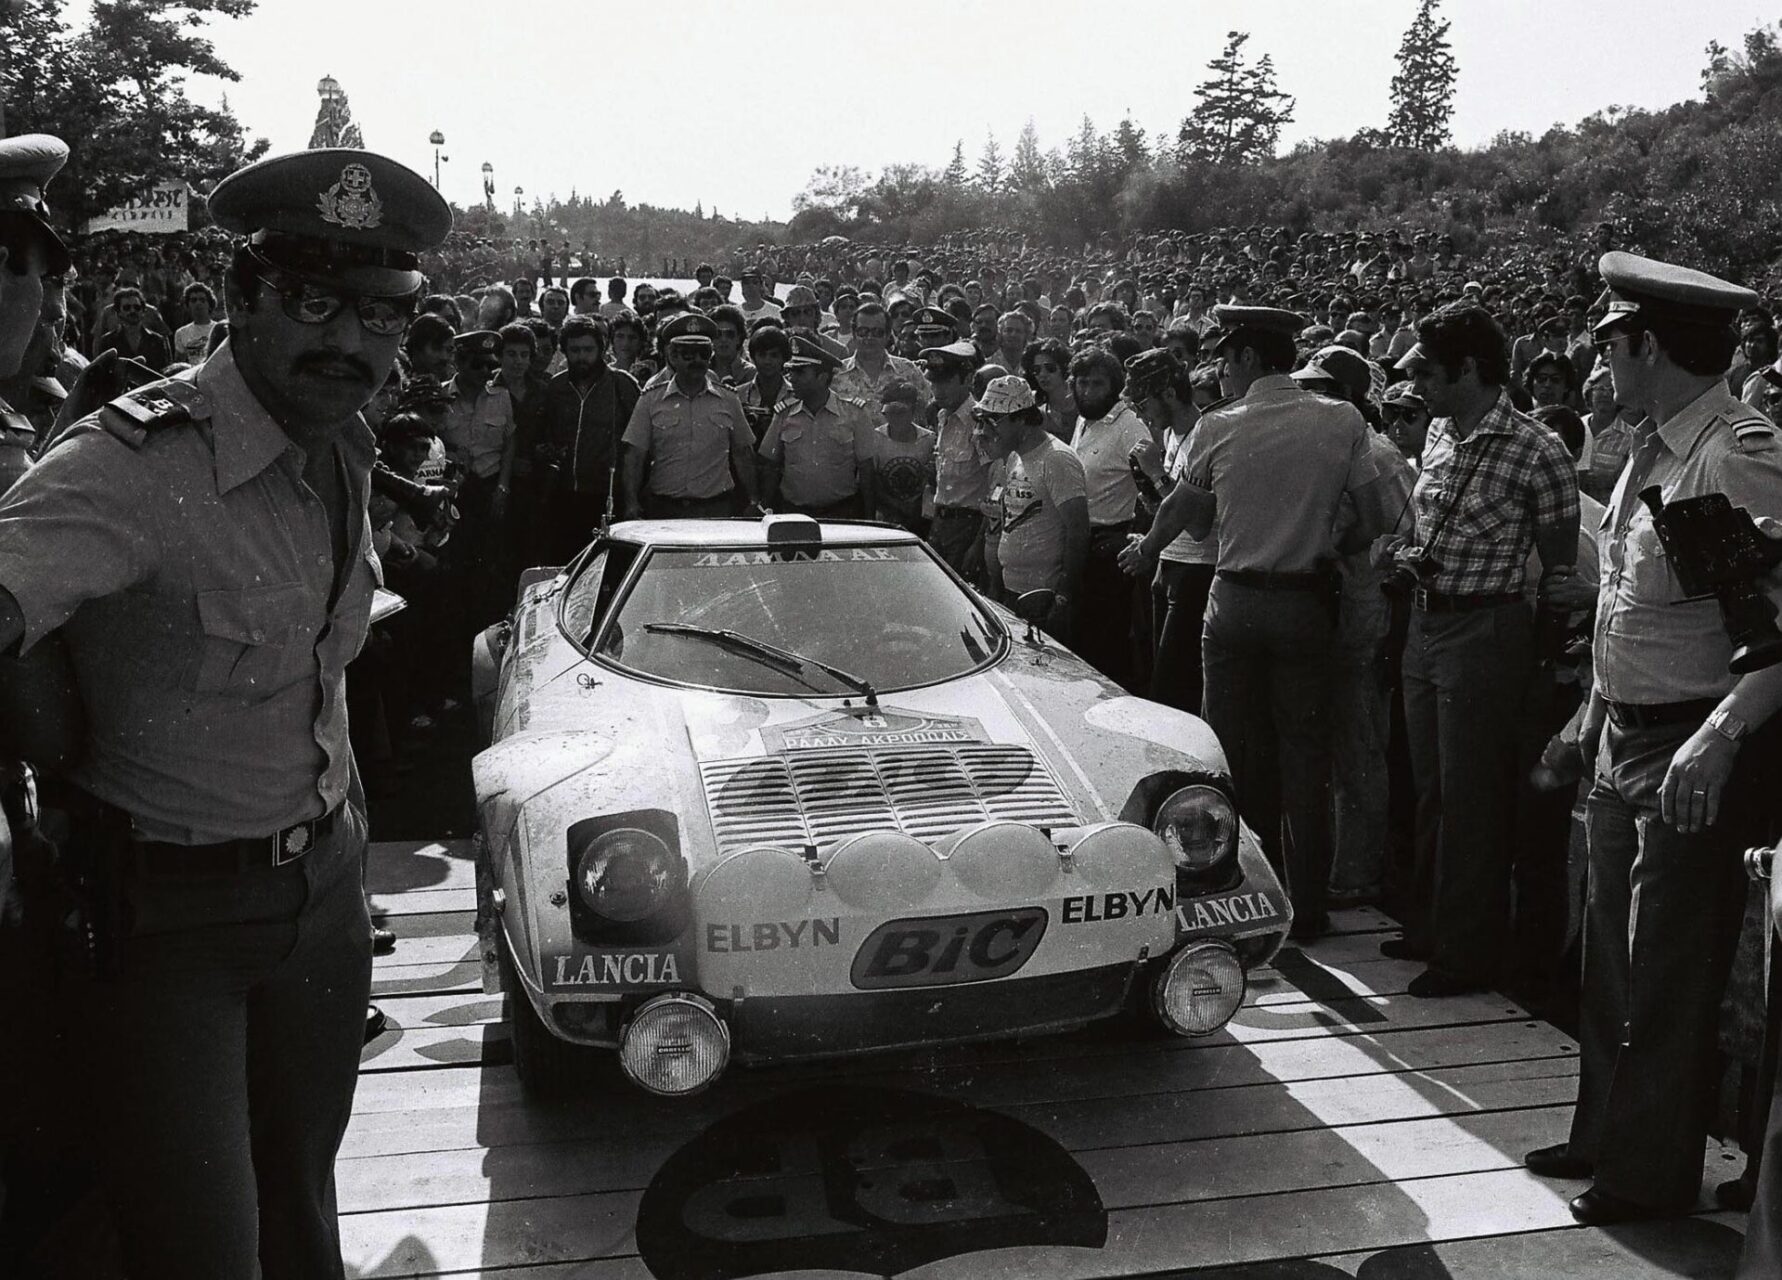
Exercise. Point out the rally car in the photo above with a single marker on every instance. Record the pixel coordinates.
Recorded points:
(763, 790)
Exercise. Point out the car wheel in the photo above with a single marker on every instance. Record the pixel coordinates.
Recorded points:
(549, 1067)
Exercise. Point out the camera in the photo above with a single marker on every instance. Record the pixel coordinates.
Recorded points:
(1716, 549)
(1406, 574)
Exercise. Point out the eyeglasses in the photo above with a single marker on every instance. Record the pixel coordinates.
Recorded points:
(315, 304)
(1606, 346)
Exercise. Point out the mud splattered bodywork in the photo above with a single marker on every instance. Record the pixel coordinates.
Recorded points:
(894, 819)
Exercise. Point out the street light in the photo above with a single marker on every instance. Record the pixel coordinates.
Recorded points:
(328, 90)
(438, 140)
(518, 193)
(489, 186)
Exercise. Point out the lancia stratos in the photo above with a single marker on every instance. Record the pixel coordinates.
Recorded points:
(760, 791)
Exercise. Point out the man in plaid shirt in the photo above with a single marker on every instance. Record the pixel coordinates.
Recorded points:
(1493, 482)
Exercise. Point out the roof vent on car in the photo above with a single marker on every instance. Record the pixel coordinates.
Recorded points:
(792, 531)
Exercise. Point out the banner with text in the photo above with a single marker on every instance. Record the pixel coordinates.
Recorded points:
(157, 211)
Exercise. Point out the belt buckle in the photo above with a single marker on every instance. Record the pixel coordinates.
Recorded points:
(293, 842)
(1420, 597)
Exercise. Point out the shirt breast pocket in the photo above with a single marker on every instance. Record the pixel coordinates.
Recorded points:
(1483, 514)
(253, 639)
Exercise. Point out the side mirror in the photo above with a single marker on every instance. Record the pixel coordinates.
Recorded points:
(1033, 606)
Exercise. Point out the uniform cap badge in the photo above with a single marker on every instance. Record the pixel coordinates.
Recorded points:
(351, 202)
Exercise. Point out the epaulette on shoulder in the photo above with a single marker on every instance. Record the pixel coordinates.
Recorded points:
(1223, 402)
(790, 402)
(136, 415)
(859, 402)
(1753, 435)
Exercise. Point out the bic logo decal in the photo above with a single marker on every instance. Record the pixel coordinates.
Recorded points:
(947, 950)
(877, 1181)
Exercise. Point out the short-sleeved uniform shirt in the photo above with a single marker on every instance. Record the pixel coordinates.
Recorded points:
(1105, 446)
(477, 428)
(192, 579)
(1651, 646)
(822, 454)
(1278, 462)
(688, 439)
(961, 465)
(1035, 485)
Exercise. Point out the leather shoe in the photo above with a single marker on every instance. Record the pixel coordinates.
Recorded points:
(1596, 1208)
(1557, 1161)
(1402, 949)
(383, 941)
(1433, 983)
(375, 1022)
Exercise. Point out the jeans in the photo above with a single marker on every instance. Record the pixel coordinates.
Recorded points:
(1178, 615)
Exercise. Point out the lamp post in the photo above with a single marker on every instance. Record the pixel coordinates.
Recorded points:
(438, 140)
(328, 90)
(488, 186)
(519, 194)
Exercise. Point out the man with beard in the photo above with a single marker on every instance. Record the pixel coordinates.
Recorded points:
(585, 408)
(1105, 437)
(689, 434)
(202, 547)
(132, 338)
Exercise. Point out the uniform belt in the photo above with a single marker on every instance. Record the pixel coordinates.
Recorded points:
(1266, 581)
(231, 857)
(1437, 602)
(1652, 715)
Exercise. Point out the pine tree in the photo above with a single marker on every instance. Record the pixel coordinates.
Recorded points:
(1423, 89)
(1131, 151)
(990, 176)
(1240, 113)
(1027, 171)
(335, 126)
(955, 175)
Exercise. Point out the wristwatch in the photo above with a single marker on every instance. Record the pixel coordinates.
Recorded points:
(1727, 725)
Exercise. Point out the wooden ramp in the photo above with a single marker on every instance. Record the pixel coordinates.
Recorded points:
(1336, 1128)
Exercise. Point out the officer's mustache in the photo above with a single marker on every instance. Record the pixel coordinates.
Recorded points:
(332, 363)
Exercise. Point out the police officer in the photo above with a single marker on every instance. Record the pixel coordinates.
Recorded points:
(817, 454)
(1267, 471)
(688, 447)
(962, 466)
(203, 546)
(33, 251)
(1681, 750)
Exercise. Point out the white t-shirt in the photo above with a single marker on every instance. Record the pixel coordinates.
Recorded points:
(1104, 446)
(767, 308)
(192, 342)
(1035, 485)
(1185, 549)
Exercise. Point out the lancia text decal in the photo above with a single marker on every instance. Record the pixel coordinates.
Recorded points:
(944, 950)
(1239, 908)
(613, 969)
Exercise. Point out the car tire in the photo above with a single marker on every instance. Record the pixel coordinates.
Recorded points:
(549, 1067)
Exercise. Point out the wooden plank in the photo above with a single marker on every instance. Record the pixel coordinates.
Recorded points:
(1077, 1125)
(402, 866)
(410, 949)
(423, 901)
(1152, 1239)
(445, 978)
(1703, 1246)
(440, 924)
(1126, 1177)
(1029, 1080)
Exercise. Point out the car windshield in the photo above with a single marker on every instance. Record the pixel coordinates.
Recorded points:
(786, 621)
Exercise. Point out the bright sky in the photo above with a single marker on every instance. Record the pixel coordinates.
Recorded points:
(733, 104)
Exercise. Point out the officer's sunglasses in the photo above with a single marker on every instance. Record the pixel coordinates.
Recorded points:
(308, 303)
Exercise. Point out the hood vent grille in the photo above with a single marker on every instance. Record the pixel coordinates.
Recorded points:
(819, 797)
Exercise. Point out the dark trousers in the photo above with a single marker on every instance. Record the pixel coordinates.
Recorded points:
(1104, 614)
(1178, 615)
(1762, 1259)
(1266, 655)
(848, 508)
(220, 1065)
(1661, 923)
(1464, 676)
(658, 507)
(957, 535)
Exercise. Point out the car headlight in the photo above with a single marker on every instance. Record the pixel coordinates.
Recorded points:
(1199, 824)
(675, 1045)
(1200, 989)
(626, 875)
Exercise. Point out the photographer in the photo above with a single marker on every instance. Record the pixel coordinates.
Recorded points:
(1493, 484)
(1677, 750)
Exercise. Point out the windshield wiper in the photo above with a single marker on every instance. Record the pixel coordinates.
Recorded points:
(761, 649)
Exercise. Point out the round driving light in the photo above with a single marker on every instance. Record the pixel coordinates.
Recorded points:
(1200, 989)
(627, 875)
(675, 1045)
(1199, 825)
